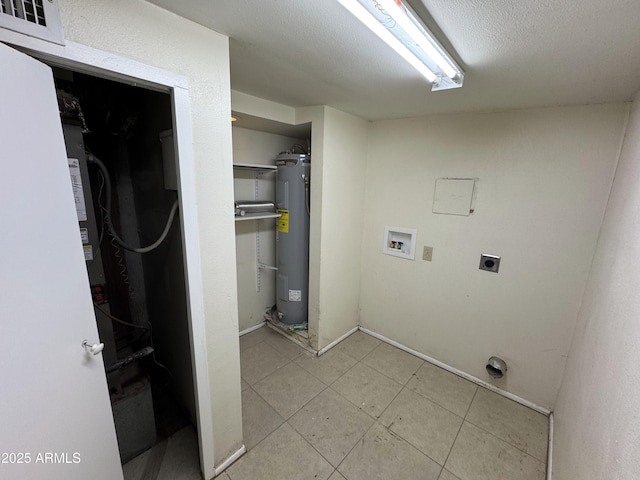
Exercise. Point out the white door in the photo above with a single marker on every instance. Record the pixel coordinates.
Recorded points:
(55, 414)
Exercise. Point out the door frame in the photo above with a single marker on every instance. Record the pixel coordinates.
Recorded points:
(84, 59)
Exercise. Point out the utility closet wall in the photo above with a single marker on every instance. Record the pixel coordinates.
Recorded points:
(337, 209)
(543, 178)
(338, 166)
(258, 148)
(597, 417)
(138, 30)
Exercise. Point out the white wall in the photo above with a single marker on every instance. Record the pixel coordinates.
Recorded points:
(340, 224)
(544, 177)
(138, 30)
(597, 418)
(250, 146)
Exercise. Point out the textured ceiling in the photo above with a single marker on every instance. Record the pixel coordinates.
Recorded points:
(515, 53)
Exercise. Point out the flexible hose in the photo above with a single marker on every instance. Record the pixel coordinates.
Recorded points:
(107, 218)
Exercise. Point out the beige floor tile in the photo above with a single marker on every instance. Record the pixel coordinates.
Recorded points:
(446, 389)
(427, 426)
(288, 389)
(283, 455)
(252, 339)
(516, 424)
(336, 476)
(445, 475)
(367, 389)
(174, 458)
(145, 464)
(259, 361)
(328, 367)
(382, 455)
(332, 425)
(478, 455)
(182, 458)
(258, 418)
(393, 362)
(357, 345)
(284, 346)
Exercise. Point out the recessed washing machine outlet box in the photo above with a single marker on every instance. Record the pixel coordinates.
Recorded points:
(400, 242)
(490, 263)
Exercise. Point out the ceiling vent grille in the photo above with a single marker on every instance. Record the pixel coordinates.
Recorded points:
(36, 18)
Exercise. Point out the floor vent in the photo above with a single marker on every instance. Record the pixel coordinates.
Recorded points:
(36, 18)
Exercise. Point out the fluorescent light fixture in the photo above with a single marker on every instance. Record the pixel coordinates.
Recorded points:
(397, 25)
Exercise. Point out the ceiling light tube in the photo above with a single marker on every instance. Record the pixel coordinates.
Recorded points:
(361, 13)
(397, 26)
(420, 37)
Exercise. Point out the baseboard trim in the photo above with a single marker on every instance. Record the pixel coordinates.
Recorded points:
(337, 341)
(252, 329)
(227, 463)
(459, 373)
(550, 448)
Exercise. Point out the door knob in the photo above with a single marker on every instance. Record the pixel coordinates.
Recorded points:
(95, 348)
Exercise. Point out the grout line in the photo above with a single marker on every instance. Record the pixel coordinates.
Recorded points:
(337, 341)
(459, 430)
(361, 439)
(270, 373)
(271, 432)
(311, 445)
(389, 377)
(505, 441)
(493, 434)
(404, 439)
(457, 372)
(435, 402)
(471, 403)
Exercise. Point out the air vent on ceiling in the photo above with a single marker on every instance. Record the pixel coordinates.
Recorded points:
(36, 18)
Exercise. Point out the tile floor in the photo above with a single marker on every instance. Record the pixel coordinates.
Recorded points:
(175, 458)
(366, 410)
(363, 411)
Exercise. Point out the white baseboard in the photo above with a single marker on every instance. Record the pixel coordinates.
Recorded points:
(227, 463)
(336, 342)
(459, 373)
(550, 449)
(252, 329)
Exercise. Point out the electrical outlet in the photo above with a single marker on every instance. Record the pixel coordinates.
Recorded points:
(490, 263)
(427, 253)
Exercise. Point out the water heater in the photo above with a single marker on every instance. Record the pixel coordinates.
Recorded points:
(292, 202)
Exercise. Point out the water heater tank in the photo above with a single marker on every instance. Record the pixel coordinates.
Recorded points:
(292, 202)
